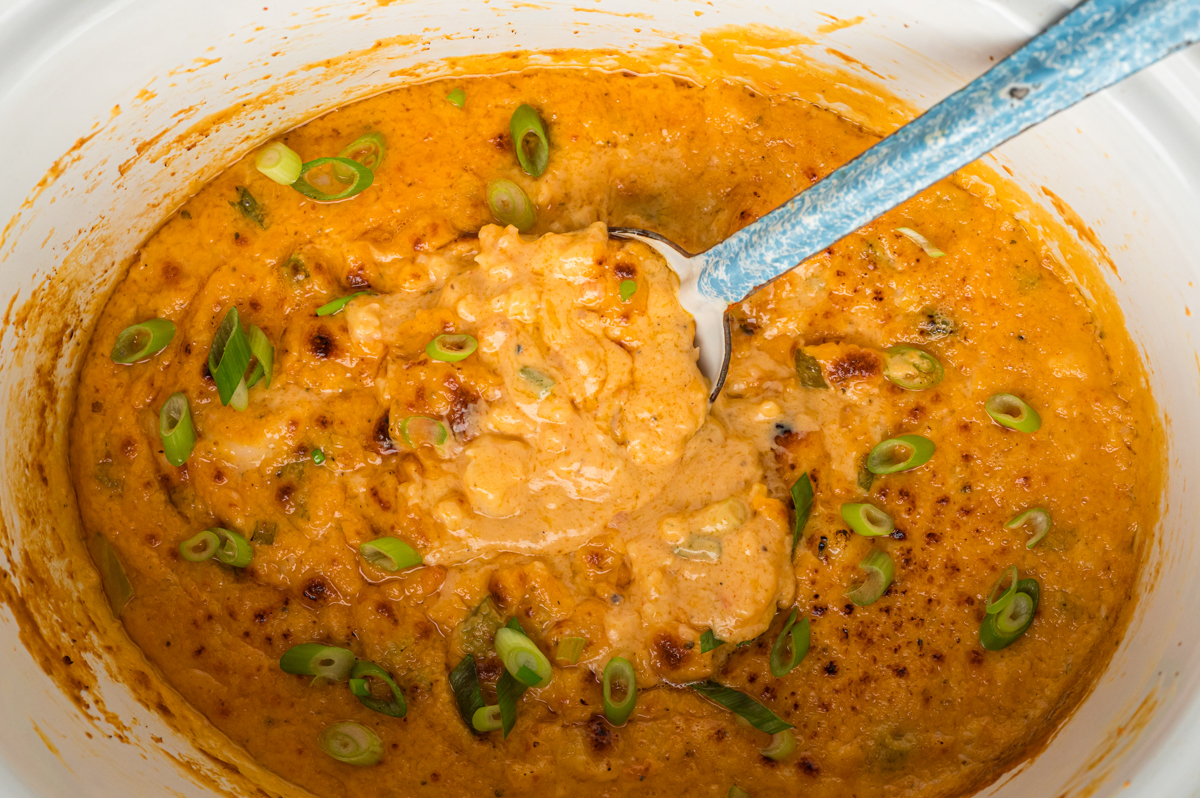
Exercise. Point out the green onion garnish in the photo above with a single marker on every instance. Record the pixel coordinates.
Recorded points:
(802, 499)
(352, 743)
(487, 719)
(451, 347)
(737, 792)
(249, 206)
(241, 397)
(541, 384)
(464, 681)
(709, 641)
(743, 705)
(229, 356)
(140, 341)
(510, 205)
(423, 431)
(704, 548)
(176, 430)
(570, 649)
(319, 180)
(522, 658)
(116, 583)
(912, 368)
(628, 289)
(921, 241)
(390, 554)
(279, 162)
(619, 678)
(319, 660)
(867, 519)
(330, 308)
(529, 140)
(234, 549)
(808, 371)
(900, 454)
(1002, 596)
(508, 691)
(783, 745)
(393, 707)
(318, 456)
(264, 358)
(880, 572)
(367, 150)
(1037, 519)
(1013, 412)
(200, 547)
(457, 97)
(791, 647)
(1000, 629)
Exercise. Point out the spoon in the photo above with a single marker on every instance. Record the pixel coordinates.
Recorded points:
(1095, 45)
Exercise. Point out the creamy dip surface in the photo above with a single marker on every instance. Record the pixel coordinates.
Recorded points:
(569, 473)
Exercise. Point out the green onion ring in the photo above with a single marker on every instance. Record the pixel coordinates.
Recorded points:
(628, 289)
(709, 641)
(783, 745)
(569, 650)
(921, 241)
(529, 140)
(900, 454)
(200, 547)
(175, 429)
(911, 368)
(702, 548)
(867, 519)
(457, 98)
(394, 707)
(264, 356)
(793, 640)
(229, 356)
(1037, 519)
(802, 499)
(999, 630)
(509, 690)
(880, 572)
(117, 587)
(1000, 596)
(522, 658)
(336, 305)
(737, 792)
(362, 179)
(1013, 412)
(279, 162)
(241, 396)
(318, 456)
(390, 554)
(742, 705)
(619, 676)
(541, 384)
(367, 150)
(464, 682)
(451, 347)
(234, 549)
(418, 431)
(352, 743)
(319, 660)
(510, 204)
(140, 341)
(487, 719)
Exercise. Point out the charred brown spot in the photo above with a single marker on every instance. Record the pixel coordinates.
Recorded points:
(129, 448)
(317, 589)
(831, 669)
(255, 305)
(670, 651)
(499, 141)
(218, 477)
(170, 272)
(322, 421)
(97, 407)
(598, 733)
(853, 366)
(284, 496)
(625, 271)
(461, 401)
(381, 500)
(382, 437)
(807, 766)
(321, 344)
(384, 609)
(490, 669)
(206, 374)
(976, 657)
(357, 280)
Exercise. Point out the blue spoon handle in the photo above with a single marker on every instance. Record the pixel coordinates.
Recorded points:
(1097, 44)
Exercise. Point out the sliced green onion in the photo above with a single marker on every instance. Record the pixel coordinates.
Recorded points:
(451, 347)
(176, 430)
(541, 384)
(783, 745)
(1037, 519)
(457, 98)
(318, 456)
(352, 743)
(880, 572)
(628, 289)
(1002, 596)
(393, 707)
(709, 641)
(704, 548)
(367, 150)
(921, 241)
(279, 162)
(1013, 412)
(390, 554)
(487, 719)
(510, 205)
(234, 549)
(619, 678)
(508, 692)
(911, 368)
(140, 341)
(321, 181)
(529, 140)
(229, 356)
(737, 792)
(464, 681)
(319, 660)
(241, 396)
(418, 431)
(200, 547)
(1000, 629)
(793, 642)
(249, 206)
(802, 499)
(330, 308)
(294, 269)
(264, 356)
(116, 583)
(522, 658)
(569, 650)
(867, 519)
(742, 705)
(808, 371)
(900, 454)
